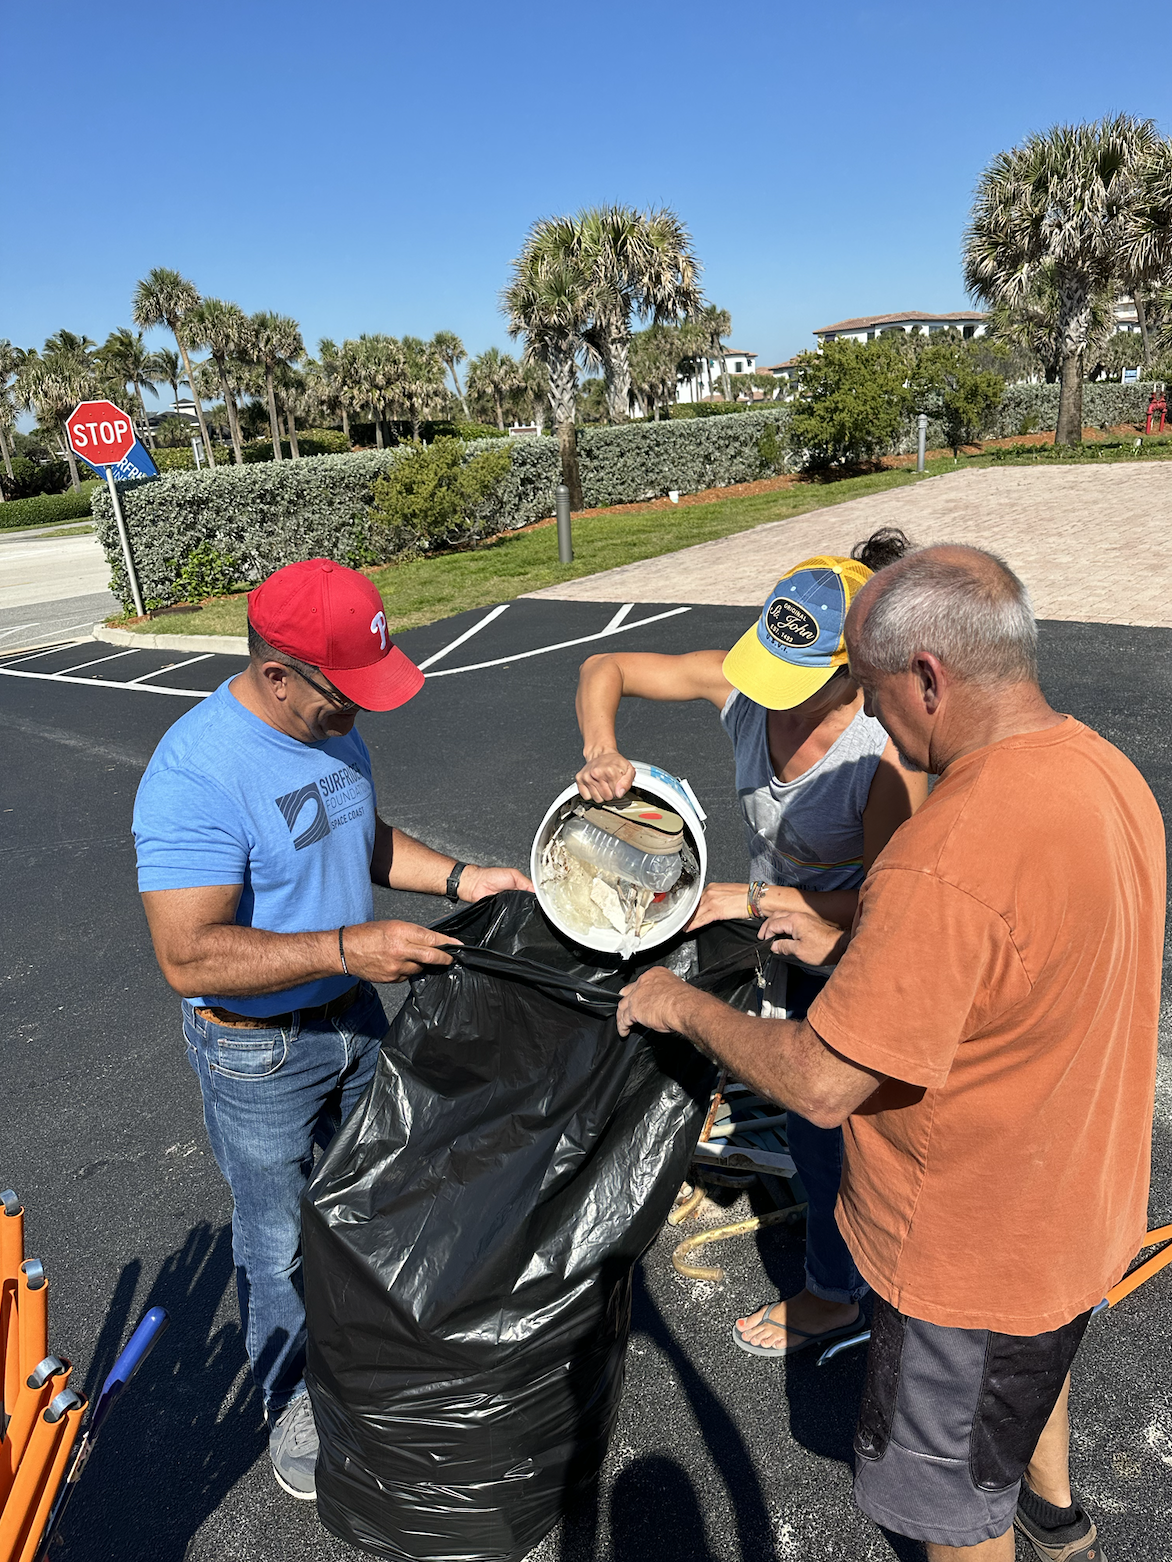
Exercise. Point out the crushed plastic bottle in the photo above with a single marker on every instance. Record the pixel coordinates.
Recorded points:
(609, 854)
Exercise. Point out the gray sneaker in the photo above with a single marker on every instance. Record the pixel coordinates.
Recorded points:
(293, 1449)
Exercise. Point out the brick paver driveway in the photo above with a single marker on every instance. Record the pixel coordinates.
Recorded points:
(1093, 544)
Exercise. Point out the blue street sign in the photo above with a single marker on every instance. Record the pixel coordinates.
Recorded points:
(135, 463)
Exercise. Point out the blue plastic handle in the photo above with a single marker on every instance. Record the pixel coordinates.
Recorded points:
(132, 1356)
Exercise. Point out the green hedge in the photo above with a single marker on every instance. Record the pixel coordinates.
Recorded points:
(46, 509)
(643, 460)
(254, 518)
(257, 518)
(1033, 409)
(706, 409)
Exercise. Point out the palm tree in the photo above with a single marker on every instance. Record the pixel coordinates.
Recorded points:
(451, 351)
(163, 297)
(495, 376)
(714, 325)
(51, 387)
(1031, 324)
(68, 346)
(224, 330)
(1146, 266)
(378, 370)
(640, 264)
(11, 359)
(549, 303)
(1071, 200)
(333, 377)
(419, 391)
(535, 396)
(273, 341)
(166, 365)
(656, 354)
(296, 398)
(124, 355)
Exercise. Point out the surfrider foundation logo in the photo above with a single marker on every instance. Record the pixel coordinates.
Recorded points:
(292, 805)
(790, 624)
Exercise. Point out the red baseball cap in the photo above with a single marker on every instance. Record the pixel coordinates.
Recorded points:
(333, 618)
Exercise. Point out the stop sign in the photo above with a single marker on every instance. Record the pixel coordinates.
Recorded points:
(101, 432)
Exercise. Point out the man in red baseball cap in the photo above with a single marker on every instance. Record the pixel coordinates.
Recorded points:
(258, 844)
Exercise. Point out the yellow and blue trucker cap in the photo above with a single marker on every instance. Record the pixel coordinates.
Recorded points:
(797, 643)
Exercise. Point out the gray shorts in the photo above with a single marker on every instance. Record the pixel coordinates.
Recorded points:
(950, 1419)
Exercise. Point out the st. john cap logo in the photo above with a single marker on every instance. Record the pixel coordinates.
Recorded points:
(789, 624)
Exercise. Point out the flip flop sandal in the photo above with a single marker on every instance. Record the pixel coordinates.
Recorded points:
(808, 1339)
(1085, 1549)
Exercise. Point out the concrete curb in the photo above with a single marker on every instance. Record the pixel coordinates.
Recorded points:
(223, 645)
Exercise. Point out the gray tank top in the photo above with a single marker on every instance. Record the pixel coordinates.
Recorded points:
(807, 833)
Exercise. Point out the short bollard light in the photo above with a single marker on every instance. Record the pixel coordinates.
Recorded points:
(565, 540)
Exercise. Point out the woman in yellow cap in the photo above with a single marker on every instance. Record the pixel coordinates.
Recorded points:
(822, 792)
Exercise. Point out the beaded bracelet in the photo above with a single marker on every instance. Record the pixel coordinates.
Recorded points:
(756, 889)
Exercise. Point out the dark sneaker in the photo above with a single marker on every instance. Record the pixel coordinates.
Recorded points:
(1082, 1548)
(293, 1449)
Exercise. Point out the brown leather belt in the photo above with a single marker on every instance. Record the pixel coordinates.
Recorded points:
(323, 1011)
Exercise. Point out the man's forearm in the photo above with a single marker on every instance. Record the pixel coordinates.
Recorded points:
(415, 866)
(233, 961)
(784, 1060)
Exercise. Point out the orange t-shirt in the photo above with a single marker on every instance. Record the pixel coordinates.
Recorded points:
(1005, 976)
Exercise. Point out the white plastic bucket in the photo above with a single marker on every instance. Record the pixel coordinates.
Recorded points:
(678, 796)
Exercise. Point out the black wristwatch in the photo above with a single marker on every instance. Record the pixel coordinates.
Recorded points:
(452, 887)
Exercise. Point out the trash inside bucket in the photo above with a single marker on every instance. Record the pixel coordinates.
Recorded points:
(625, 877)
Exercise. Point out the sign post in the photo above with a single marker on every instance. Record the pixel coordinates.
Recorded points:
(102, 435)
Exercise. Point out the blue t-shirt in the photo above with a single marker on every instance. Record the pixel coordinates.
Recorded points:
(227, 799)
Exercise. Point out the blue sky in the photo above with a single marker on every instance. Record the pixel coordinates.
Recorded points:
(374, 167)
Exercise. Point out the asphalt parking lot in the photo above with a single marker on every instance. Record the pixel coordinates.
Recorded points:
(718, 1457)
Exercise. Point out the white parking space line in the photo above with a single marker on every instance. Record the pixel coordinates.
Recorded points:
(467, 635)
(113, 657)
(617, 625)
(4, 633)
(106, 683)
(171, 667)
(46, 650)
(519, 656)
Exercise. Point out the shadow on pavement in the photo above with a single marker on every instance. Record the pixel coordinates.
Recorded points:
(653, 1499)
(726, 1447)
(189, 1427)
(823, 1401)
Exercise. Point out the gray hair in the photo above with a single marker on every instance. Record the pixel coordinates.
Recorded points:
(261, 651)
(963, 605)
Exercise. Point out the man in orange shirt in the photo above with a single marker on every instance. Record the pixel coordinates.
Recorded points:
(988, 1042)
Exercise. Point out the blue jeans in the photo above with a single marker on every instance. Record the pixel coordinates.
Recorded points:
(817, 1153)
(268, 1097)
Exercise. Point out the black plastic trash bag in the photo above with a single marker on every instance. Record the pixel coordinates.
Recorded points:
(469, 1237)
